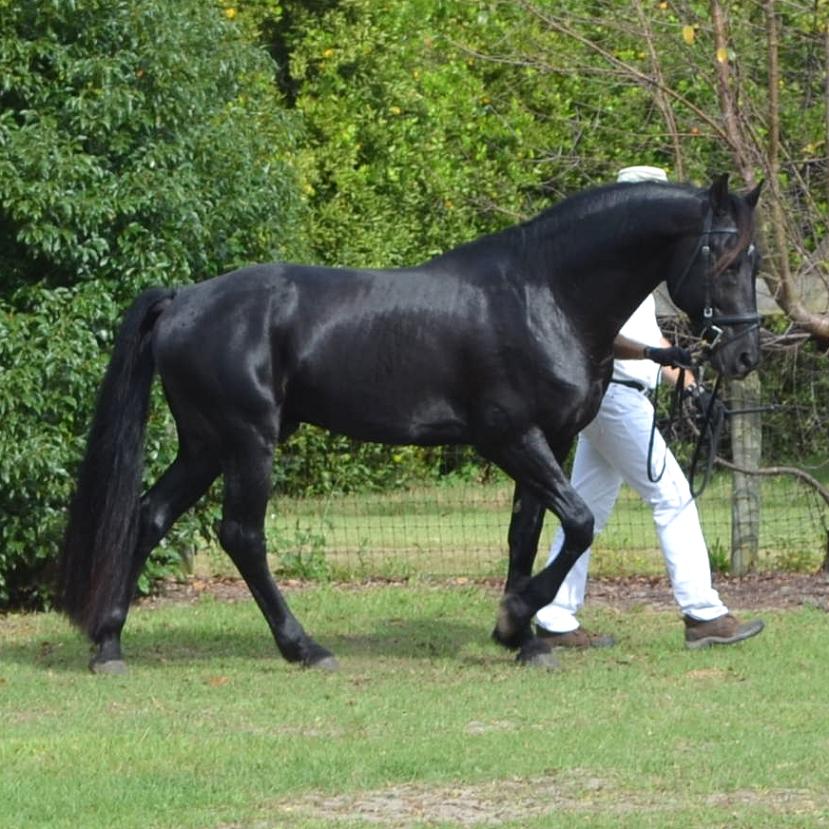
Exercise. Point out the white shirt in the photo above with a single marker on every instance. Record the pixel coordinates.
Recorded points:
(643, 328)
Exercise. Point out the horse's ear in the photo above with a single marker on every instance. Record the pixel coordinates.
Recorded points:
(718, 194)
(753, 197)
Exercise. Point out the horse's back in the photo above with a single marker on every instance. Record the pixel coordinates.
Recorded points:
(443, 353)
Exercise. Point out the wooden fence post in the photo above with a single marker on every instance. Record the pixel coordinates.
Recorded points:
(746, 451)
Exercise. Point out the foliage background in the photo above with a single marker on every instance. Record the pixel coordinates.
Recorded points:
(139, 144)
(159, 143)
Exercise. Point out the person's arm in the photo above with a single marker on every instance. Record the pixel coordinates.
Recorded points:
(625, 348)
(670, 357)
(671, 373)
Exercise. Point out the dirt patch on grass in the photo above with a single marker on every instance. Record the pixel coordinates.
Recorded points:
(760, 591)
(502, 801)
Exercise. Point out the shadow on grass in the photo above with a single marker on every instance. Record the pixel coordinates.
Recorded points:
(185, 644)
(415, 638)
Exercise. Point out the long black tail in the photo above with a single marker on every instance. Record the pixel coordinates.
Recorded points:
(100, 536)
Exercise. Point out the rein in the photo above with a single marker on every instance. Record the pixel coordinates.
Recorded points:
(710, 428)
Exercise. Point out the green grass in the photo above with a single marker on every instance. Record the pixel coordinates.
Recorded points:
(426, 724)
(461, 529)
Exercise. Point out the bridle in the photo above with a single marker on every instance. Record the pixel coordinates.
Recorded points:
(713, 323)
(711, 330)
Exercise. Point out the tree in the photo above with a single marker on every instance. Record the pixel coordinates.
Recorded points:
(742, 85)
(404, 153)
(705, 95)
(140, 143)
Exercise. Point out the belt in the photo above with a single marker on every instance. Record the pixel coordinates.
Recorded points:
(631, 384)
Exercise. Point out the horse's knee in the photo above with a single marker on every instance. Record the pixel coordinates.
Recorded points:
(111, 624)
(578, 530)
(153, 522)
(240, 541)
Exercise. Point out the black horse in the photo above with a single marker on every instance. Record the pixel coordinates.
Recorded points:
(504, 343)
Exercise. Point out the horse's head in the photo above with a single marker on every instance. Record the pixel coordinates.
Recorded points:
(713, 279)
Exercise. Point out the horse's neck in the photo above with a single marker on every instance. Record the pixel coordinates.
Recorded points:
(611, 297)
(604, 303)
(602, 284)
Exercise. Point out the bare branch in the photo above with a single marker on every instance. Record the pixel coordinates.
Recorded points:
(826, 94)
(662, 100)
(727, 93)
(770, 471)
(561, 27)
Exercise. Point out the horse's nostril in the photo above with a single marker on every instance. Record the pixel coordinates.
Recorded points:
(747, 361)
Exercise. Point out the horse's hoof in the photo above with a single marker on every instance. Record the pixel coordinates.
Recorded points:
(114, 667)
(320, 658)
(537, 654)
(327, 663)
(514, 641)
(511, 630)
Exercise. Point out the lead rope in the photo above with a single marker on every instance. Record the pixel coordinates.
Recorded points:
(710, 428)
(651, 476)
(710, 432)
(675, 403)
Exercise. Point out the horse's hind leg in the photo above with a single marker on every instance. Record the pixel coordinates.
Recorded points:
(181, 485)
(247, 473)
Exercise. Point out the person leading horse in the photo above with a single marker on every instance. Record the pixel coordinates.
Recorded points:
(505, 343)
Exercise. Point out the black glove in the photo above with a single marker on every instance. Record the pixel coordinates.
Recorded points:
(673, 356)
(700, 399)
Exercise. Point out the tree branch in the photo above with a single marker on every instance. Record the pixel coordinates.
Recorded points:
(662, 100)
(562, 28)
(770, 471)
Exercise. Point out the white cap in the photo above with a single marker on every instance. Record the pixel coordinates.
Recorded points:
(642, 173)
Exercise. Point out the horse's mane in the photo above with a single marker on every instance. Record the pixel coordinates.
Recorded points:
(560, 219)
(604, 199)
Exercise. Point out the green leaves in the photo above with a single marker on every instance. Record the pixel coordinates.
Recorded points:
(143, 142)
(139, 144)
(404, 154)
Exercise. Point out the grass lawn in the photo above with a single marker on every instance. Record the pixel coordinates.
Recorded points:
(426, 724)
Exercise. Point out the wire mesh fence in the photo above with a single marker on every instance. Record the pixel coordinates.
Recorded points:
(460, 529)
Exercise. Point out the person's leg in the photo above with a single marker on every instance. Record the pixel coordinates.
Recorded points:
(598, 484)
(677, 522)
(627, 434)
(682, 542)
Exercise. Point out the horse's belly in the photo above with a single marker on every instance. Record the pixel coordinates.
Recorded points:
(378, 415)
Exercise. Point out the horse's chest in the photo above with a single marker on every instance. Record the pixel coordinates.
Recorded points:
(570, 398)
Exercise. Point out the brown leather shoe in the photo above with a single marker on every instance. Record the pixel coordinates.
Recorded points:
(578, 638)
(725, 630)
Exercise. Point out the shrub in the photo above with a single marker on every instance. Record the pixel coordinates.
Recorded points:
(139, 143)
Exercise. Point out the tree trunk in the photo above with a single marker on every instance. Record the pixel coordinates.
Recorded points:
(746, 450)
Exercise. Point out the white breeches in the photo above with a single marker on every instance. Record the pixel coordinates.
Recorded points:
(614, 449)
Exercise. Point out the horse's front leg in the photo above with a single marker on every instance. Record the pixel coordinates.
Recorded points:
(530, 461)
(524, 531)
